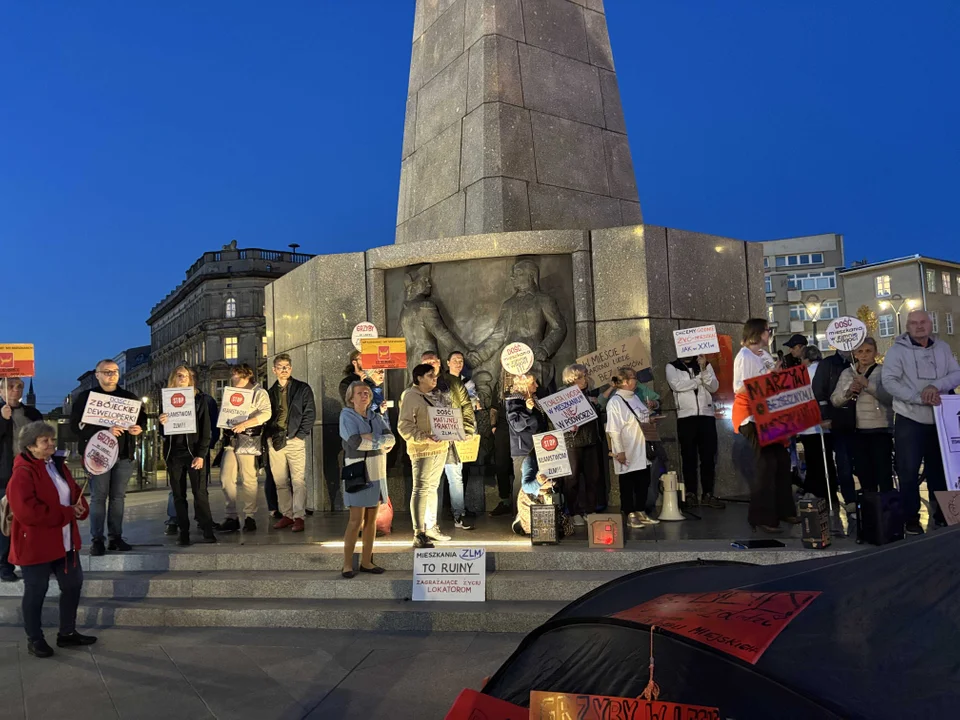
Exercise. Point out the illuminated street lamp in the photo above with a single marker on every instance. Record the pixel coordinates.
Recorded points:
(900, 303)
(813, 306)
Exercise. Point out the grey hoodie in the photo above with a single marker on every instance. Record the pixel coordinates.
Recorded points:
(909, 368)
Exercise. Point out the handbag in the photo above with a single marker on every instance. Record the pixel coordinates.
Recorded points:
(354, 476)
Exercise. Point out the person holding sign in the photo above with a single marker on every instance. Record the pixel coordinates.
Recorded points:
(525, 418)
(374, 380)
(14, 416)
(112, 484)
(185, 455)
(584, 487)
(45, 538)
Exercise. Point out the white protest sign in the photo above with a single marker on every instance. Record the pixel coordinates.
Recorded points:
(516, 358)
(568, 408)
(447, 423)
(101, 453)
(454, 574)
(846, 333)
(236, 406)
(691, 342)
(362, 331)
(110, 410)
(180, 409)
(604, 362)
(552, 459)
(947, 416)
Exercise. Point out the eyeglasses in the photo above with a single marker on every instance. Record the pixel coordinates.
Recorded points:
(108, 373)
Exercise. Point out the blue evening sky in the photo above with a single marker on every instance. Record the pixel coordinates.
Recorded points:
(134, 136)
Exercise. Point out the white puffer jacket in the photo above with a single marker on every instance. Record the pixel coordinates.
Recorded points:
(693, 393)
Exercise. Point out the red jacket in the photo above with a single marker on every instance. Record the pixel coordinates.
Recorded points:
(36, 535)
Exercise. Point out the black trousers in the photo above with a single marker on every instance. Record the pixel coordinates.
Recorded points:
(698, 443)
(634, 487)
(771, 495)
(36, 580)
(178, 473)
(503, 461)
(270, 487)
(583, 486)
(873, 460)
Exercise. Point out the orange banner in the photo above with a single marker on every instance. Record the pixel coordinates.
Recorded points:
(560, 706)
(782, 404)
(383, 353)
(742, 624)
(16, 360)
(472, 705)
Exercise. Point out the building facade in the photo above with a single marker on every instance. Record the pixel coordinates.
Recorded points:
(802, 288)
(894, 287)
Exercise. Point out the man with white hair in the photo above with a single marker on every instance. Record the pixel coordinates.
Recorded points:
(916, 371)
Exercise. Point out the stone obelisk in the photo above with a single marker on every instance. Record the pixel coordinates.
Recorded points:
(513, 121)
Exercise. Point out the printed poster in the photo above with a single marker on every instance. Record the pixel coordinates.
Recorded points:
(552, 458)
(568, 408)
(447, 423)
(846, 333)
(947, 416)
(236, 406)
(110, 411)
(181, 411)
(383, 353)
(691, 342)
(782, 404)
(101, 453)
(453, 574)
(16, 360)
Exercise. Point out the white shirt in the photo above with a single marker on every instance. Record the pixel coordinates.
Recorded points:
(626, 435)
(65, 497)
(692, 393)
(747, 365)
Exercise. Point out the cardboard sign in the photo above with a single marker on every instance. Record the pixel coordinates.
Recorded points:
(447, 423)
(16, 360)
(602, 364)
(552, 459)
(473, 705)
(691, 342)
(109, 410)
(468, 450)
(516, 358)
(181, 411)
(742, 624)
(947, 417)
(383, 353)
(782, 404)
(568, 408)
(949, 502)
(236, 406)
(450, 574)
(846, 333)
(605, 531)
(560, 706)
(362, 331)
(101, 453)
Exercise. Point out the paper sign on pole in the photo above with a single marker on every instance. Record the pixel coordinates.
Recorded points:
(383, 353)
(180, 409)
(447, 423)
(602, 364)
(552, 458)
(361, 331)
(568, 408)
(947, 416)
(603, 707)
(949, 502)
(236, 406)
(101, 453)
(782, 404)
(691, 342)
(468, 450)
(110, 410)
(846, 333)
(457, 574)
(16, 360)
(516, 358)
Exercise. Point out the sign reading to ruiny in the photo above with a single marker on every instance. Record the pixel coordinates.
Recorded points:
(782, 403)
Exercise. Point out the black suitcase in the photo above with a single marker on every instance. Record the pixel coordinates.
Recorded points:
(879, 517)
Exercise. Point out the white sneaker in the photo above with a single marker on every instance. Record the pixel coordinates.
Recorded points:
(434, 533)
(647, 520)
(579, 521)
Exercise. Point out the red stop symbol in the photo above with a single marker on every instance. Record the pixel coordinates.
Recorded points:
(178, 400)
(549, 443)
(236, 399)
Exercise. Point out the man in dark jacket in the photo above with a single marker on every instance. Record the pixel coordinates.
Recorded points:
(294, 411)
(113, 483)
(13, 416)
(841, 436)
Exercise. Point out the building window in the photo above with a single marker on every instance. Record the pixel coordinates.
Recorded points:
(931, 281)
(766, 261)
(826, 280)
(230, 348)
(817, 258)
(768, 284)
(218, 386)
(203, 352)
(949, 317)
(934, 318)
(230, 310)
(804, 259)
(886, 325)
(883, 285)
(821, 342)
(265, 346)
(945, 278)
(829, 310)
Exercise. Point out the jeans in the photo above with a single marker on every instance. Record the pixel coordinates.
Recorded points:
(36, 579)
(113, 485)
(698, 442)
(289, 468)
(843, 444)
(633, 490)
(178, 473)
(583, 486)
(525, 474)
(454, 473)
(5, 566)
(427, 472)
(917, 443)
(771, 493)
(238, 476)
(873, 460)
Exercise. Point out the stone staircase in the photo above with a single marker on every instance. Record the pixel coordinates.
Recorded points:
(216, 586)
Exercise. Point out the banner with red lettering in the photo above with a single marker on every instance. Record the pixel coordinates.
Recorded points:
(782, 404)
(559, 706)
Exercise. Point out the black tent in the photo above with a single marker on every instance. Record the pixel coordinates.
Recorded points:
(881, 640)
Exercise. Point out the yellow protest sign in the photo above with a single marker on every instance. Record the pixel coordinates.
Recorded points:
(383, 353)
(16, 360)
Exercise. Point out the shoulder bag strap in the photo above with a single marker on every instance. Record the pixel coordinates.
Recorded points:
(632, 411)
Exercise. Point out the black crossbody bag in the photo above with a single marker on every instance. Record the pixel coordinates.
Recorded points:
(354, 475)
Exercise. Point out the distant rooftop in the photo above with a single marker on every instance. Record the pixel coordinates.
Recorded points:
(898, 261)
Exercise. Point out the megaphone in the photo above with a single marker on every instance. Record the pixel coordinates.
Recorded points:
(671, 507)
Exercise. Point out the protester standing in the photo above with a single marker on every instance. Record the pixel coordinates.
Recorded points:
(794, 354)
(14, 416)
(816, 441)
(112, 484)
(241, 448)
(213, 412)
(525, 419)
(917, 370)
(841, 433)
(861, 392)
(366, 438)
(503, 463)
(45, 538)
(693, 382)
(583, 488)
(354, 372)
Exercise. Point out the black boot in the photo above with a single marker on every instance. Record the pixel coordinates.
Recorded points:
(184, 538)
(74, 639)
(39, 648)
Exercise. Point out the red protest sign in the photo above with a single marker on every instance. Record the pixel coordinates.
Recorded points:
(549, 705)
(782, 404)
(742, 624)
(472, 705)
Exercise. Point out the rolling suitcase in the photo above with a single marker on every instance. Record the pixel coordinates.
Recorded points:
(879, 517)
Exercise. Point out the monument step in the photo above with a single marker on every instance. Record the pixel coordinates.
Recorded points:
(383, 615)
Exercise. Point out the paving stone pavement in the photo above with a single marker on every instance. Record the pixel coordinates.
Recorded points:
(201, 673)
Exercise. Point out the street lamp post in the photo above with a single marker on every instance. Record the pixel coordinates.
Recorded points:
(813, 306)
(897, 303)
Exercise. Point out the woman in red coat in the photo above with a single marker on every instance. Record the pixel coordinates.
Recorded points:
(45, 538)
